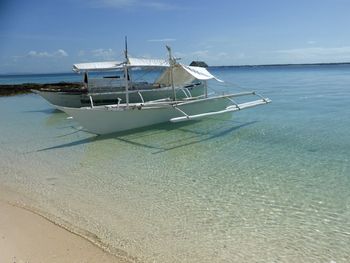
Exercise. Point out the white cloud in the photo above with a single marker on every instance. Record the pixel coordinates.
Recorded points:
(45, 54)
(102, 53)
(33, 53)
(61, 53)
(99, 53)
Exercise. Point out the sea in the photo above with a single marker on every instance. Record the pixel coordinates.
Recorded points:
(267, 184)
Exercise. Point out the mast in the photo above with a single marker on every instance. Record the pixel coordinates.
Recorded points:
(172, 64)
(126, 72)
(126, 47)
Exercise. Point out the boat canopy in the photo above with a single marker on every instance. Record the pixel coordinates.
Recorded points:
(113, 65)
(144, 62)
(183, 74)
(97, 66)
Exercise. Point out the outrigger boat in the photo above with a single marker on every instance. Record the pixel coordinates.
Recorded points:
(111, 87)
(130, 115)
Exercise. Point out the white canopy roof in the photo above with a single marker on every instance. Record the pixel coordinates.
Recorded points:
(200, 73)
(183, 74)
(145, 62)
(112, 65)
(97, 66)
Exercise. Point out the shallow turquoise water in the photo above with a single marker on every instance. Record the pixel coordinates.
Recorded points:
(269, 184)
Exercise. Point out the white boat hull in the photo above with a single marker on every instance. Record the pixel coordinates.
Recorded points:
(61, 98)
(104, 120)
(76, 100)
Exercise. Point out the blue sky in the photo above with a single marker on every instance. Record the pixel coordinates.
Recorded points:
(49, 36)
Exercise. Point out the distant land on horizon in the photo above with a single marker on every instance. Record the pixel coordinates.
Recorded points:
(227, 66)
(285, 65)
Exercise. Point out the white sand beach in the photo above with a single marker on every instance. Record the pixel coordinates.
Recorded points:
(26, 237)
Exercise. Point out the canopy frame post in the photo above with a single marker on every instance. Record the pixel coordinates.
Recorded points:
(126, 74)
(172, 63)
(126, 86)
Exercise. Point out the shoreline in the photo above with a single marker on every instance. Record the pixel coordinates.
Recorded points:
(26, 236)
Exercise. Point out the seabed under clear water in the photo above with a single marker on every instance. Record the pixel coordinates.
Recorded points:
(269, 184)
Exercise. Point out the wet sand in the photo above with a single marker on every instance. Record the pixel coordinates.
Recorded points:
(28, 237)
